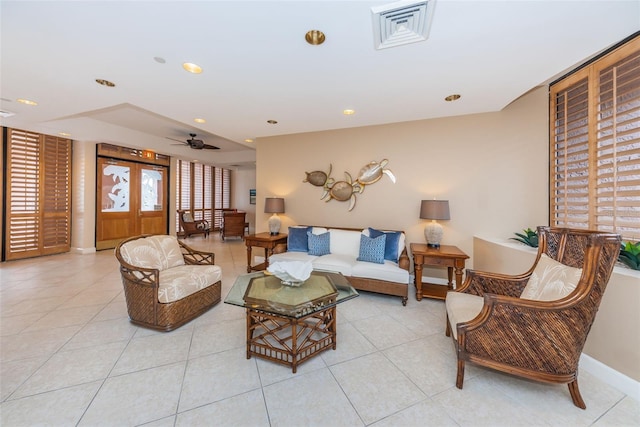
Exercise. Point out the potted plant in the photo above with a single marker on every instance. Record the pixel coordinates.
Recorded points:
(630, 255)
(529, 238)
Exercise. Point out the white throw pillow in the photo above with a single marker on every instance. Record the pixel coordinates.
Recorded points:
(551, 280)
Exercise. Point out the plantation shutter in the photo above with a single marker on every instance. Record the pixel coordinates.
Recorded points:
(56, 197)
(618, 154)
(38, 207)
(595, 145)
(198, 194)
(208, 194)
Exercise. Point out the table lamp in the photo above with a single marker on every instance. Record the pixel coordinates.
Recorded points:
(274, 205)
(434, 210)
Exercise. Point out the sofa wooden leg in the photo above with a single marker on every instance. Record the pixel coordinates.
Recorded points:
(460, 376)
(575, 394)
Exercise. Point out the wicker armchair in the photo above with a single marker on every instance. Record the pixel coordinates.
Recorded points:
(170, 283)
(533, 338)
(190, 226)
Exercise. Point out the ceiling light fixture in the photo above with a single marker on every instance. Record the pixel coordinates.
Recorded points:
(192, 68)
(199, 120)
(314, 37)
(104, 82)
(26, 101)
(272, 122)
(248, 140)
(348, 112)
(453, 97)
(64, 134)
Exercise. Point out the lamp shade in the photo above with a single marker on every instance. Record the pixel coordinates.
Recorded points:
(434, 209)
(274, 205)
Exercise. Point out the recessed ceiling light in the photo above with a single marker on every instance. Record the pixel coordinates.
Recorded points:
(453, 97)
(26, 101)
(272, 122)
(64, 134)
(192, 68)
(159, 59)
(199, 120)
(248, 140)
(348, 112)
(104, 82)
(314, 37)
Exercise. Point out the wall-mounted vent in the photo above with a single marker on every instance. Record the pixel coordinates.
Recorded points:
(401, 22)
(5, 113)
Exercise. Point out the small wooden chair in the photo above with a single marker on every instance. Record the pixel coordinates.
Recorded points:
(190, 226)
(233, 224)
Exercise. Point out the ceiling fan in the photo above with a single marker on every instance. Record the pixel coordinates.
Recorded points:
(196, 144)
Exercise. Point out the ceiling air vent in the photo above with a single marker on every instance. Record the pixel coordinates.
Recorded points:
(401, 23)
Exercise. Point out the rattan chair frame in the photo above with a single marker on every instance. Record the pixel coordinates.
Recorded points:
(538, 340)
(198, 226)
(141, 287)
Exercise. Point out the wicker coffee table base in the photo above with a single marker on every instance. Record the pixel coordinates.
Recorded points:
(290, 341)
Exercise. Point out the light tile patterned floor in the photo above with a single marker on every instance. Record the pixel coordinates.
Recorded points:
(69, 356)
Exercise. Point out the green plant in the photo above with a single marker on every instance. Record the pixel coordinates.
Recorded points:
(630, 255)
(529, 238)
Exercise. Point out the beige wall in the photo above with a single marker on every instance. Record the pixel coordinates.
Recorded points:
(242, 181)
(491, 167)
(613, 339)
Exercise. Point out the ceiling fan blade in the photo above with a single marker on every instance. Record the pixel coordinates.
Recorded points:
(173, 139)
(210, 147)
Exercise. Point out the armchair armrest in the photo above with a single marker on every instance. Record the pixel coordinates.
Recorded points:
(481, 283)
(403, 260)
(149, 277)
(195, 257)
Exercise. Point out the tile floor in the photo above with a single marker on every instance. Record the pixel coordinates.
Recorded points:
(69, 356)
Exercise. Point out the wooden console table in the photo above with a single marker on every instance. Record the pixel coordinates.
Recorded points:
(266, 241)
(444, 256)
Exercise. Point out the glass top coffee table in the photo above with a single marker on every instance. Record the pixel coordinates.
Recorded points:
(290, 324)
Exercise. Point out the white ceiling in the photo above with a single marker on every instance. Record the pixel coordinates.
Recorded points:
(257, 66)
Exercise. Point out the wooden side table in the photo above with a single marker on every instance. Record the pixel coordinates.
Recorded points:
(266, 241)
(444, 256)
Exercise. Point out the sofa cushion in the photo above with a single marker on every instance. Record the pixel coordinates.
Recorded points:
(336, 262)
(319, 244)
(345, 242)
(182, 281)
(461, 308)
(391, 243)
(551, 280)
(388, 271)
(159, 252)
(372, 249)
(297, 240)
(292, 256)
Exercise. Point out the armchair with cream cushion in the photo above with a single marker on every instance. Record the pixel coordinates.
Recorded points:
(166, 282)
(534, 325)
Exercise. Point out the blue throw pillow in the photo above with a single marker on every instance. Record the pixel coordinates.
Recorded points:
(372, 249)
(319, 243)
(297, 240)
(391, 243)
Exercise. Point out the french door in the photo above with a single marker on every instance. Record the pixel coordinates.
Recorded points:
(131, 200)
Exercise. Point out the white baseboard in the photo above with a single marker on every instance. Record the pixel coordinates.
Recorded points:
(615, 379)
(83, 251)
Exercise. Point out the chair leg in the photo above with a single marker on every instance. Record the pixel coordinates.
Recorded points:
(447, 330)
(575, 394)
(460, 376)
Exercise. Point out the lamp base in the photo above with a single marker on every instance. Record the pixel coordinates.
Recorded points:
(274, 225)
(433, 234)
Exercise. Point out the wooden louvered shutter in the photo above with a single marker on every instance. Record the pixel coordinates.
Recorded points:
(38, 208)
(23, 195)
(595, 145)
(56, 195)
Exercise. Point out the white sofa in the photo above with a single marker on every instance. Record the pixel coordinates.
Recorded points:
(391, 277)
